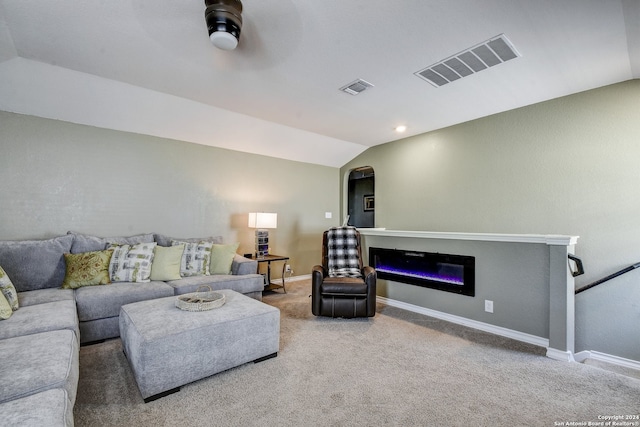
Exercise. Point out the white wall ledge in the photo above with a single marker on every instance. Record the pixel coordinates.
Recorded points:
(549, 239)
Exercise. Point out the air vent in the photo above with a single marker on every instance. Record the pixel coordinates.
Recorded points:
(470, 61)
(356, 87)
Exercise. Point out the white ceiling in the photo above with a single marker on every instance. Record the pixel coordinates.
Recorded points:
(147, 66)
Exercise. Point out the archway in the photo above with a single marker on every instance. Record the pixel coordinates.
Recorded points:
(361, 197)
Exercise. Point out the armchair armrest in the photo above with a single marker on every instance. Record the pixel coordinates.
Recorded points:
(242, 265)
(317, 275)
(370, 278)
(369, 274)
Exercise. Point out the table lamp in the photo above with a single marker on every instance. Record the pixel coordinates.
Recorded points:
(261, 221)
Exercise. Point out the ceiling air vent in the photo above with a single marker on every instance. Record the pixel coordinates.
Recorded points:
(356, 87)
(470, 61)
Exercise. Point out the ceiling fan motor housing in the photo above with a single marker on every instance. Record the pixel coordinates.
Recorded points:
(224, 22)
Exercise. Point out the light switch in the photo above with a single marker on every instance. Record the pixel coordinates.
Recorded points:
(328, 215)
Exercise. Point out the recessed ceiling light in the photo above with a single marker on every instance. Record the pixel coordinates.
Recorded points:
(401, 128)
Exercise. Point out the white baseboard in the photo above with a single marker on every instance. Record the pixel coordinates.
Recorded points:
(563, 356)
(291, 279)
(486, 327)
(552, 353)
(607, 358)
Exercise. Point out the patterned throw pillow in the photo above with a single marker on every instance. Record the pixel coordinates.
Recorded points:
(195, 258)
(222, 258)
(8, 290)
(87, 269)
(5, 308)
(131, 263)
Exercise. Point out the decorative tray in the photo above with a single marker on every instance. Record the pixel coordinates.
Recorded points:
(200, 300)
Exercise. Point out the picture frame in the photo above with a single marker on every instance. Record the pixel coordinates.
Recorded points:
(369, 202)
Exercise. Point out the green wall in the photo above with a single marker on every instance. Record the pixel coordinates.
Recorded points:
(57, 176)
(567, 166)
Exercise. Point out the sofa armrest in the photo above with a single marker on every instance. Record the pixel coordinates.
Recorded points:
(242, 265)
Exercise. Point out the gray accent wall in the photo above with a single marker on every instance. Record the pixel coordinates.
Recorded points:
(57, 176)
(567, 166)
(519, 288)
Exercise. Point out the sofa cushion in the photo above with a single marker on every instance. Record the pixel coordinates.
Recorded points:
(34, 319)
(8, 290)
(99, 330)
(99, 302)
(43, 296)
(39, 362)
(5, 308)
(243, 284)
(166, 263)
(87, 243)
(131, 263)
(195, 258)
(222, 257)
(166, 240)
(35, 264)
(50, 408)
(87, 269)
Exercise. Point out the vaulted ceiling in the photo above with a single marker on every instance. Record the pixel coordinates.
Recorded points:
(147, 66)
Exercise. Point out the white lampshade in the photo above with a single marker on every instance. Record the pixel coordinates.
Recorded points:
(263, 220)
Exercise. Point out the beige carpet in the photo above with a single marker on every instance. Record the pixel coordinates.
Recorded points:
(396, 369)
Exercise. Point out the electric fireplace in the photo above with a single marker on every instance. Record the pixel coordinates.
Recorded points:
(450, 273)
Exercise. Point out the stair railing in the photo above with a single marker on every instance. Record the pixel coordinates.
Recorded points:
(580, 270)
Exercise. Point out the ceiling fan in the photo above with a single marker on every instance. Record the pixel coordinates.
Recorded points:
(224, 22)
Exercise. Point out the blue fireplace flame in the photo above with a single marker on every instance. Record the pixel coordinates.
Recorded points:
(444, 272)
(447, 273)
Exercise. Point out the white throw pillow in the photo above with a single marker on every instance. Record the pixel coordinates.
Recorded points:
(196, 258)
(131, 263)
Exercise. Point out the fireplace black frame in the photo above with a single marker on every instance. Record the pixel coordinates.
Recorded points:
(407, 259)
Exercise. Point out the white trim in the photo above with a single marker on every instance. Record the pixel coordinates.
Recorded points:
(549, 239)
(291, 279)
(486, 327)
(562, 355)
(552, 353)
(607, 358)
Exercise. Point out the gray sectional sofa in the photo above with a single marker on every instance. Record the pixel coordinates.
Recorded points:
(42, 338)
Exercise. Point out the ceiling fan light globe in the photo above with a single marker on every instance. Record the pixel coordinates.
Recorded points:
(223, 40)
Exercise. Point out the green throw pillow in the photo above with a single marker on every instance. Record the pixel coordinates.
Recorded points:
(87, 269)
(8, 290)
(222, 258)
(166, 263)
(5, 308)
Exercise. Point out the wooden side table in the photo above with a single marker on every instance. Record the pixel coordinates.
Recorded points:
(269, 259)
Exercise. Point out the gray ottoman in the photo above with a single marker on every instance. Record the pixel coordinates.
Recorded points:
(168, 347)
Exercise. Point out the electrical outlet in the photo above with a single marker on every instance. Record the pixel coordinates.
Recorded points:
(488, 306)
(328, 215)
(287, 268)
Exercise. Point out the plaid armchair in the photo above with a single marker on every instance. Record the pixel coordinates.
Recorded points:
(341, 286)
